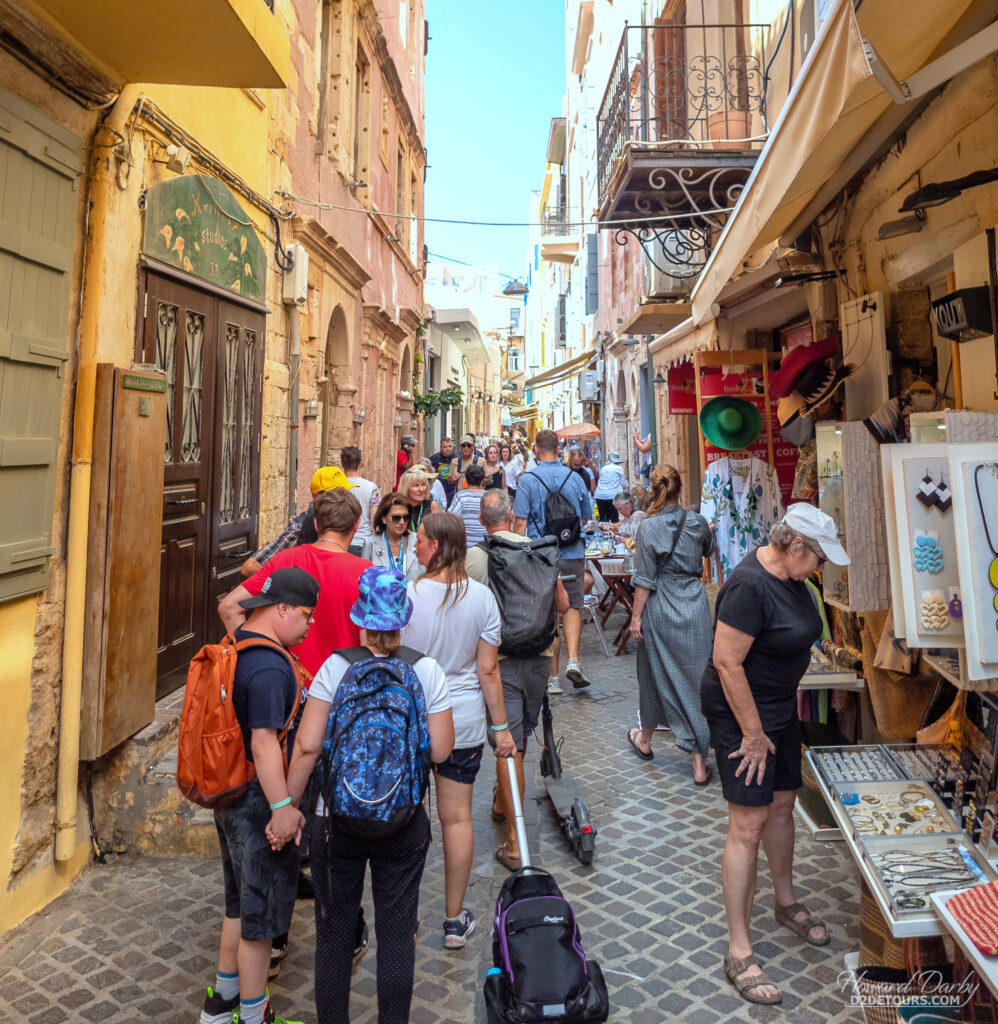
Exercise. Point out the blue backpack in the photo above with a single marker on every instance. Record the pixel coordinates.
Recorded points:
(376, 754)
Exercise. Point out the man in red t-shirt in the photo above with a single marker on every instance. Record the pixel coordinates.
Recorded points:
(337, 513)
(406, 458)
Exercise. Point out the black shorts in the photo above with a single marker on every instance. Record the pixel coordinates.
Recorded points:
(260, 883)
(524, 683)
(783, 769)
(462, 765)
(574, 588)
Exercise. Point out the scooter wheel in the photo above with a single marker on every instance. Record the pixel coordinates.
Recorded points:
(586, 849)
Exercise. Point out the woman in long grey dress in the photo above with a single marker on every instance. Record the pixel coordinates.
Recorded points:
(671, 622)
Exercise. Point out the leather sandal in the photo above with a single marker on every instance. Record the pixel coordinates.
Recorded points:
(733, 971)
(504, 858)
(786, 916)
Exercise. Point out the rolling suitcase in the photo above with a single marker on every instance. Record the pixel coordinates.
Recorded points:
(540, 972)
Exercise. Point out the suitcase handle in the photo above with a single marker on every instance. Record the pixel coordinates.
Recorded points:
(521, 830)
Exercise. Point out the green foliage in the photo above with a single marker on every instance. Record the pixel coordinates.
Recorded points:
(432, 402)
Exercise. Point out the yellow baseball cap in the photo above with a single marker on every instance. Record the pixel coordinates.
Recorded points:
(326, 478)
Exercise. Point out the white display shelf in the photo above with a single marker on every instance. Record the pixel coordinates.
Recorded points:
(948, 663)
(985, 966)
(822, 674)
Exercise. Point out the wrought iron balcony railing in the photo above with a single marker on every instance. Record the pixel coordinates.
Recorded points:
(680, 86)
(555, 223)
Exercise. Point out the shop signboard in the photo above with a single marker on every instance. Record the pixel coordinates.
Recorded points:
(194, 223)
(750, 385)
(682, 390)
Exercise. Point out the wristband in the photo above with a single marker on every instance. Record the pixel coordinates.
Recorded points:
(280, 804)
(499, 728)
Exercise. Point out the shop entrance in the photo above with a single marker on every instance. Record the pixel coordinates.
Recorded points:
(211, 351)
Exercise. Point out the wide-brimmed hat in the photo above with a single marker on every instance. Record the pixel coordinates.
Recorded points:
(729, 422)
(290, 585)
(383, 602)
(812, 523)
(820, 381)
(796, 361)
(328, 478)
(789, 408)
(615, 457)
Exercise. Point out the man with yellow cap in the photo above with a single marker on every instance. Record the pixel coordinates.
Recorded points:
(300, 528)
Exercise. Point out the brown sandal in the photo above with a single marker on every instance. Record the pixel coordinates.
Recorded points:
(733, 971)
(786, 916)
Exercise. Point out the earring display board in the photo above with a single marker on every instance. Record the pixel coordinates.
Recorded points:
(850, 490)
(893, 545)
(974, 469)
(926, 553)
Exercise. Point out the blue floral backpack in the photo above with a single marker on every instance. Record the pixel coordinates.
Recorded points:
(376, 754)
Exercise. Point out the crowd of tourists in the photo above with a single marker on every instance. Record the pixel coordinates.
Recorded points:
(366, 586)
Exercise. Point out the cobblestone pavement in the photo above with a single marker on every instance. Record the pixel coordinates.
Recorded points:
(137, 939)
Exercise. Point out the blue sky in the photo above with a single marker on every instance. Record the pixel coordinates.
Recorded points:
(495, 74)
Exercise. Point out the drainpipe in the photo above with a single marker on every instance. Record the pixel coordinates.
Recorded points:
(102, 186)
(295, 368)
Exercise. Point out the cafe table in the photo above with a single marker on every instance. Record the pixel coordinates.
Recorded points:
(612, 567)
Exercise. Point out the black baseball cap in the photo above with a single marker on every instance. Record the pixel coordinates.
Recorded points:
(286, 586)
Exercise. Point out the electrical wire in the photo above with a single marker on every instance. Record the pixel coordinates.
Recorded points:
(630, 222)
(776, 52)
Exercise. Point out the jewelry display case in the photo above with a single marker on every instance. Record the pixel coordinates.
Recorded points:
(909, 871)
(905, 808)
(855, 764)
(920, 760)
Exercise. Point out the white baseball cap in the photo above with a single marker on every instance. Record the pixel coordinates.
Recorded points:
(812, 523)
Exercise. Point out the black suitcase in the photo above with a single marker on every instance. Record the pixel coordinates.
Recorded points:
(540, 972)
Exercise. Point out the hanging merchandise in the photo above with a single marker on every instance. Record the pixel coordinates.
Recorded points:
(730, 423)
(928, 553)
(741, 498)
(955, 604)
(934, 611)
(926, 492)
(944, 497)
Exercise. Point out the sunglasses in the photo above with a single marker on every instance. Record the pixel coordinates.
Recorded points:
(307, 612)
(467, 446)
(817, 552)
(400, 518)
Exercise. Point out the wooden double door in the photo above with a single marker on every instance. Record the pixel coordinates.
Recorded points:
(212, 352)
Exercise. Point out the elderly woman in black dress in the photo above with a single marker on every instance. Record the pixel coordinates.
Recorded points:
(671, 622)
(765, 624)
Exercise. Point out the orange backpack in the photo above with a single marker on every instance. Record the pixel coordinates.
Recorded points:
(212, 768)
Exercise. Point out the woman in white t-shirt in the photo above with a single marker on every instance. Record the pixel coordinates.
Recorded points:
(339, 858)
(456, 622)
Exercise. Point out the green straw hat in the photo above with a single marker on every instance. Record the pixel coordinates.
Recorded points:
(730, 423)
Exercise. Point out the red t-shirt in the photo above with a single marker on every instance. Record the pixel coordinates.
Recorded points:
(338, 575)
(400, 460)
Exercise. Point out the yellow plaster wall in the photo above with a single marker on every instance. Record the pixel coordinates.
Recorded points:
(17, 631)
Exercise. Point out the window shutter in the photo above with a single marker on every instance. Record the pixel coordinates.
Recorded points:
(592, 274)
(41, 164)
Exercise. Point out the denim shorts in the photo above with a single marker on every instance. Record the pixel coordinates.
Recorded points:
(462, 765)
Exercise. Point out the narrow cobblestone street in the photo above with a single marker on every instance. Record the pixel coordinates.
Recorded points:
(143, 930)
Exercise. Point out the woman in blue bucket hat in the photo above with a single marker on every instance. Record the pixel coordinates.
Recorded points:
(340, 857)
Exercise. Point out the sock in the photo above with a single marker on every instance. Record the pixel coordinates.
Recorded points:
(252, 1012)
(226, 985)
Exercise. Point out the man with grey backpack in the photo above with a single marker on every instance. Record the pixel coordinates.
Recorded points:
(523, 577)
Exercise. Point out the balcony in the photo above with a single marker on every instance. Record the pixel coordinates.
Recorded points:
(558, 245)
(232, 43)
(681, 124)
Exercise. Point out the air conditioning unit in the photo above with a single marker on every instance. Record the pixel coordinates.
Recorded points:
(588, 386)
(674, 282)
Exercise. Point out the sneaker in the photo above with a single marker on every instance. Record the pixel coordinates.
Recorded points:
(362, 943)
(217, 1010)
(554, 686)
(278, 951)
(575, 673)
(269, 1017)
(457, 929)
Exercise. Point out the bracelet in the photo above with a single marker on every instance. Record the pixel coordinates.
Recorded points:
(499, 728)
(280, 804)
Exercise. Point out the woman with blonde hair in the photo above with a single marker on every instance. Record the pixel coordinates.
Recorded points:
(414, 486)
(671, 622)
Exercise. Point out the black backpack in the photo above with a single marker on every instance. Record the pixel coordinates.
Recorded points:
(540, 970)
(561, 517)
(523, 577)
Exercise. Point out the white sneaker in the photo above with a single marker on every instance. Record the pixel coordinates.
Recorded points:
(576, 675)
(554, 686)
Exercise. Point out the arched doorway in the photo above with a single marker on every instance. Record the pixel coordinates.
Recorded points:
(339, 389)
(618, 438)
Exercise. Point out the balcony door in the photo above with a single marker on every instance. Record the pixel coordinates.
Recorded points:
(211, 351)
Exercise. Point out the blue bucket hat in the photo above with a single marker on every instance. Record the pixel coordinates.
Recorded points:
(383, 602)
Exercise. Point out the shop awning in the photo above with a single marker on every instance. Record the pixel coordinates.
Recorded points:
(681, 342)
(560, 372)
(526, 412)
(834, 103)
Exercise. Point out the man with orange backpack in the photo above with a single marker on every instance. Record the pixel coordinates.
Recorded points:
(260, 881)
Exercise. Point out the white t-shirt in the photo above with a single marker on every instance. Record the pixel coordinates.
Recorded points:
(513, 469)
(438, 494)
(369, 496)
(430, 674)
(449, 633)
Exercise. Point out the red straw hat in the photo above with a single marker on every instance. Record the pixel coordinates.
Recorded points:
(796, 361)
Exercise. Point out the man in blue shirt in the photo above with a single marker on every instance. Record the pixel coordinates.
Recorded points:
(529, 517)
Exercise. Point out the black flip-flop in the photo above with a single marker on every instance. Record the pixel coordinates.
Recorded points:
(643, 754)
(710, 775)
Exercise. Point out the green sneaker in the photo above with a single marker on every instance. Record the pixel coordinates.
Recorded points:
(217, 1010)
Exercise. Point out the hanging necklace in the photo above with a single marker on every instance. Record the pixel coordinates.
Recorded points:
(392, 564)
(417, 517)
(993, 567)
(337, 546)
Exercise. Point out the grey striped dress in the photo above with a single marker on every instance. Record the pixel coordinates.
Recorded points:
(675, 624)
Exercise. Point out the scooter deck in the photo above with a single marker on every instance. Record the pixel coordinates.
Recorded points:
(563, 793)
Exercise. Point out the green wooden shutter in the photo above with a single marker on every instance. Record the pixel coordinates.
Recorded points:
(39, 168)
